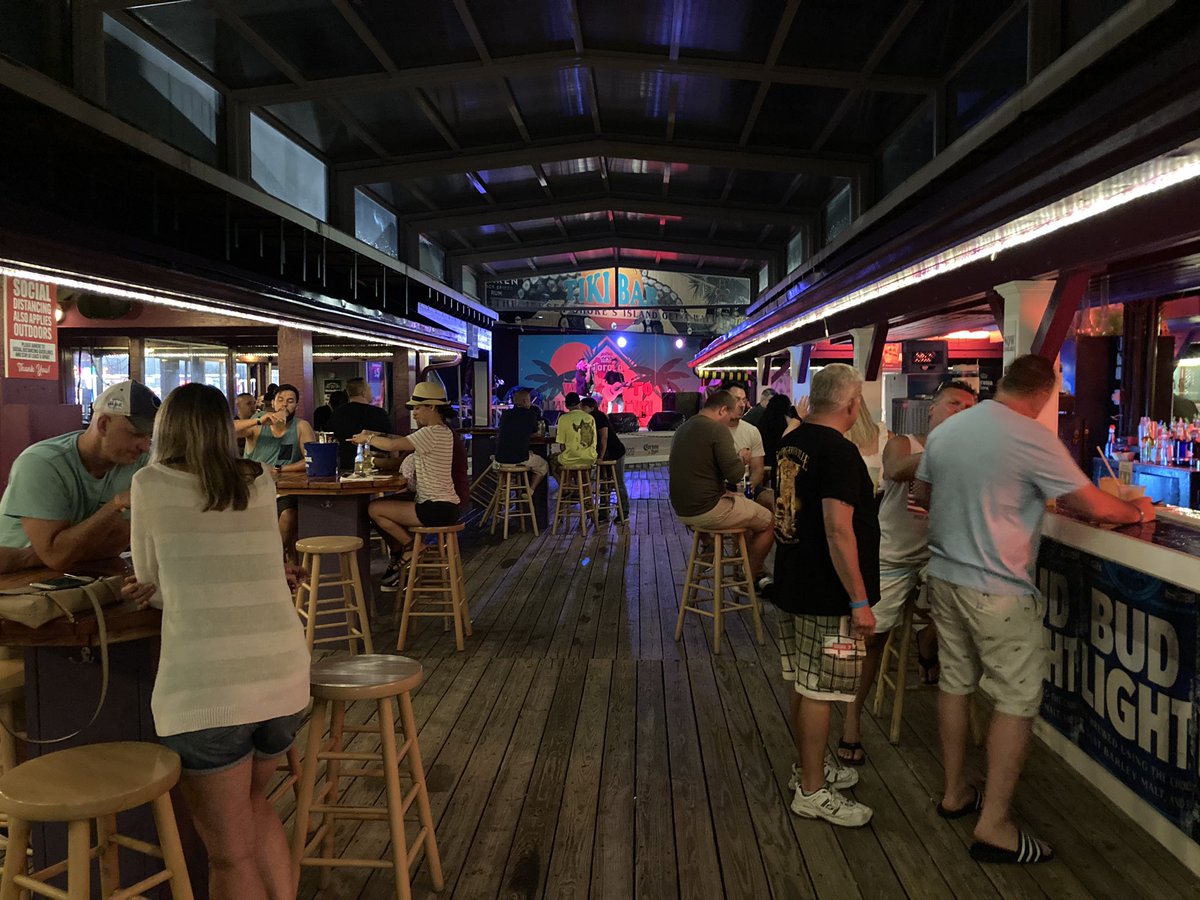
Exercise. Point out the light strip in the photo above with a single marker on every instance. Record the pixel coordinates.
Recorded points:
(1140, 181)
(194, 303)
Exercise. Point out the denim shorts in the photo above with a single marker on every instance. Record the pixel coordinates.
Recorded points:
(213, 750)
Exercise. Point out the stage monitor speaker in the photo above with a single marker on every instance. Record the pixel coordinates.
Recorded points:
(669, 401)
(686, 402)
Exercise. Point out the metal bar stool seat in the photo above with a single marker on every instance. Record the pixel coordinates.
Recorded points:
(334, 683)
(707, 574)
(78, 785)
(347, 606)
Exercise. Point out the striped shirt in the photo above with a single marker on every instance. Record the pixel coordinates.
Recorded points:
(233, 649)
(434, 464)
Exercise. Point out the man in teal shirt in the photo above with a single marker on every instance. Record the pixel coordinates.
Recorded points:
(67, 496)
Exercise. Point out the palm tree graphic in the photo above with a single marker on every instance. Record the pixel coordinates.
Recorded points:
(548, 382)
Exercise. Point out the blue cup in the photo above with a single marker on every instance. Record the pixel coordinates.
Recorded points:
(321, 460)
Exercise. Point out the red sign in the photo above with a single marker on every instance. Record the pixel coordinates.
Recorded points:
(30, 329)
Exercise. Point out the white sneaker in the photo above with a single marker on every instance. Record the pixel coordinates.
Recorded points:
(836, 775)
(832, 806)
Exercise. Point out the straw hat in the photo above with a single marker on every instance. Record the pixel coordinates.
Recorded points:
(427, 393)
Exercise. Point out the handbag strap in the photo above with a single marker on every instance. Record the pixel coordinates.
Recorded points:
(90, 591)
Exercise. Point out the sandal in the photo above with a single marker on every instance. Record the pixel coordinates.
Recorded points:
(972, 806)
(927, 664)
(1029, 850)
(857, 757)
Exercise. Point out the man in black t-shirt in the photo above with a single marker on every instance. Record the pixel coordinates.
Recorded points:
(826, 570)
(609, 447)
(357, 415)
(517, 425)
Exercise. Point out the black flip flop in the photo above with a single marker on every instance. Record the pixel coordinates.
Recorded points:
(1029, 850)
(853, 747)
(973, 806)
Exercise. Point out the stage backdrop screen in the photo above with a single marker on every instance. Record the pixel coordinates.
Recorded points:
(650, 365)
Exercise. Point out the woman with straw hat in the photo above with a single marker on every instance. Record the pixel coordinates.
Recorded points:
(437, 501)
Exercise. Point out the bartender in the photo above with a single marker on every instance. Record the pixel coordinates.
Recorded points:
(67, 498)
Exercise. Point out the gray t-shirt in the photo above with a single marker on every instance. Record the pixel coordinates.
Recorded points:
(48, 481)
(992, 471)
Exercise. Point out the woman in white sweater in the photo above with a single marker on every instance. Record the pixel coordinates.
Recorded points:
(233, 674)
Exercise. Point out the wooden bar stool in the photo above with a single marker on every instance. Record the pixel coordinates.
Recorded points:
(348, 604)
(381, 679)
(575, 486)
(12, 695)
(483, 489)
(606, 489)
(81, 784)
(897, 650)
(706, 573)
(435, 583)
(514, 479)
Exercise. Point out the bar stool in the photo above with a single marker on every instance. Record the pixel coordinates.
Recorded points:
(483, 488)
(81, 784)
(897, 649)
(435, 580)
(606, 489)
(370, 677)
(349, 604)
(575, 486)
(12, 694)
(706, 572)
(513, 479)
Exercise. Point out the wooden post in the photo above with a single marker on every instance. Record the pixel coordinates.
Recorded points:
(404, 379)
(137, 359)
(296, 367)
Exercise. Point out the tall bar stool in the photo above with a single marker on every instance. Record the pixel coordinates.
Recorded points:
(12, 694)
(76, 786)
(897, 650)
(575, 486)
(436, 584)
(483, 488)
(707, 573)
(514, 479)
(349, 605)
(606, 489)
(334, 683)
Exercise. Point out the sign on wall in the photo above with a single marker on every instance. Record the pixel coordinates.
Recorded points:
(30, 329)
(616, 288)
(1122, 679)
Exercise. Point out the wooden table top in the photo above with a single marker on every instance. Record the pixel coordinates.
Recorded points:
(332, 487)
(124, 621)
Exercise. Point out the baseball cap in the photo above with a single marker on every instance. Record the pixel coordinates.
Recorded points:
(131, 399)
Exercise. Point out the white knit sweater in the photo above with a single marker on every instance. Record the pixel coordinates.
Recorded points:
(233, 649)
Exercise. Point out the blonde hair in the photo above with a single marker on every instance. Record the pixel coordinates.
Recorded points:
(864, 433)
(193, 431)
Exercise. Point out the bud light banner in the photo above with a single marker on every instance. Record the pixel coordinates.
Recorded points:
(1122, 680)
(616, 288)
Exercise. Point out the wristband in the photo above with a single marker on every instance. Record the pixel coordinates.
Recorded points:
(860, 603)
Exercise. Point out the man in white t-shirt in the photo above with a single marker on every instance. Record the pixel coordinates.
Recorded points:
(748, 442)
(990, 471)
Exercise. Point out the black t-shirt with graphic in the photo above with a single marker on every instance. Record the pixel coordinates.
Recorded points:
(348, 420)
(614, 449)
(816, 463)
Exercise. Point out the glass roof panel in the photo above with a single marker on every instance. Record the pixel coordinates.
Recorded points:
(428, 33)
(553, 103)
(309, 34)
(524, 26)
(833, 34)
(610, 26)
(474, 111)
(211, 42)
(322, 129)
(870, 120)
(718, 28)
(395, 121)
(793, 115)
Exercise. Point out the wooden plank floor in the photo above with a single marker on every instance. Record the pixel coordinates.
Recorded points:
(576, 750)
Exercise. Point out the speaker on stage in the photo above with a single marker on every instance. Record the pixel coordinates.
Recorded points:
(686, 402)
(668, 401)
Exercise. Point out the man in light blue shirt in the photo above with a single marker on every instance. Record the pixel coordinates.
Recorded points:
(991, 470)
(67, 496)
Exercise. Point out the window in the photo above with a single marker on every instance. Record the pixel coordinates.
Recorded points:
(909, 148)
(989, 78)
(374, 224)
(433, 259)
(155, 93)
(836, 216)
(95, 371)
(795, 251)
(470, 283)
(284, 169)
(169, 364)
(764, 275)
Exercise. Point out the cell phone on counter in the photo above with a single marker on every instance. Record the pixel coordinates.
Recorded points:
(66, 582)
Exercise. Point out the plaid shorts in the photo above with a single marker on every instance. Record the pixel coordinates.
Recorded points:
(819, 658)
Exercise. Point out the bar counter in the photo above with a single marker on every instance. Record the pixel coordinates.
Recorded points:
(1122, 699)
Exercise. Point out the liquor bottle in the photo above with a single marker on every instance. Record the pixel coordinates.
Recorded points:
(1110, 447)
